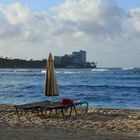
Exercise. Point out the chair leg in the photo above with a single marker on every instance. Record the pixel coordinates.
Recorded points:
(75, 110)
(46, 111)
(56, 111)
(37, 111)
(87, 108)
(41, 110)
(62, 111)
(70, 111)
(31, 110)
(50, 112)
(25, 111)
(17, 112)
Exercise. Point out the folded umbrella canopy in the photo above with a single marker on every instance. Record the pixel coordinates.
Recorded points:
(51, 88)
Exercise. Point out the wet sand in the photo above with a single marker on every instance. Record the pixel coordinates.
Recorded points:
(98, 124)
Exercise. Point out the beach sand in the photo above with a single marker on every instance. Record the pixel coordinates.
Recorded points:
(97, 124)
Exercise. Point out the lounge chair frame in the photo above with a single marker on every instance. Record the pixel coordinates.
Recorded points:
(39, 107)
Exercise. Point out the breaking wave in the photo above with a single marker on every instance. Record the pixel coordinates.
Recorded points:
(71, 72)
(43, 71)
(130, 68)
(99, 70)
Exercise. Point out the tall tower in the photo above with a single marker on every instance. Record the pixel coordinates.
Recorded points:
(83, 56)
(79, 58)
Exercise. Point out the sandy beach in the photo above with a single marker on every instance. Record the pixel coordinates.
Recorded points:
(104, 124)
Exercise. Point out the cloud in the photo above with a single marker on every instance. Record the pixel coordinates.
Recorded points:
(134, 16)
(72, 18)
(15, 13)
(98, 26)
(92, 17)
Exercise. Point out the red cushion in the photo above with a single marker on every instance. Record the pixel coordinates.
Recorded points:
(67, 102)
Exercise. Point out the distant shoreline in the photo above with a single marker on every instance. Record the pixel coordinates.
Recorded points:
(22, 63)
(43, 68)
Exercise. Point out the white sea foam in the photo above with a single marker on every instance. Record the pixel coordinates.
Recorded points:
(71, 72)
(100, 70)
(57, 72)
(43, 71)
(130, 68)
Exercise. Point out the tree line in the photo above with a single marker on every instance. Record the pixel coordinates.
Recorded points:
(21, 63)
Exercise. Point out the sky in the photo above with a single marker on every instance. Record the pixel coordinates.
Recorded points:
(109, 30)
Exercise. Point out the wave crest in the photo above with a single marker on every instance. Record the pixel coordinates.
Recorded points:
(130, 68)
(99, 70)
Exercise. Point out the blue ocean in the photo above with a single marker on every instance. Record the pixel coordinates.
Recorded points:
(101, 87)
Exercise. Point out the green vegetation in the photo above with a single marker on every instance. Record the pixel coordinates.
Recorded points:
(20, 63)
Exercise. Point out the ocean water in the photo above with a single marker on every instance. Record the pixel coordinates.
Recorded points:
(102, 87)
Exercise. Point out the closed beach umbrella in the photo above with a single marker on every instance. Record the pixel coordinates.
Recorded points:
(51, 88)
